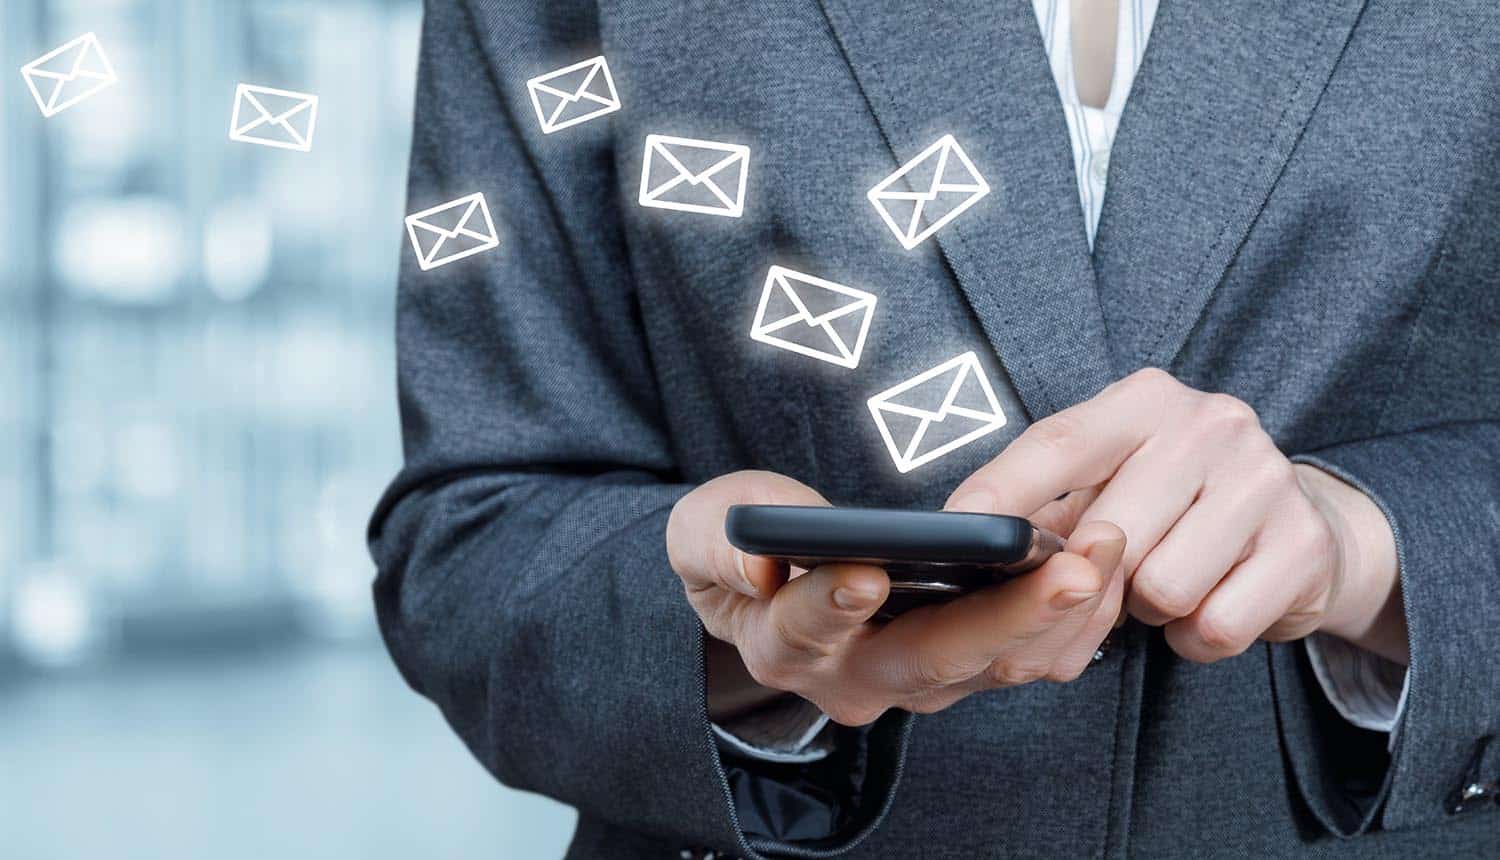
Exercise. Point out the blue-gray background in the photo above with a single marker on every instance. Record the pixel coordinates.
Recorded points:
(196, 415)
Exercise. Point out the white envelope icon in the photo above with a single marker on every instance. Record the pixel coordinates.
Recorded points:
(578, 93)
(67, 75)
(940, 184)
(936, 412)
(272, 117)
(451, 231)
(695, 175)
(813, 317)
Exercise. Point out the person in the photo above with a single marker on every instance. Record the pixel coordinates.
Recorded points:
(1235, 283)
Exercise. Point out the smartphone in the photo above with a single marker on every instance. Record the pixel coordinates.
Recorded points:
(930, 556)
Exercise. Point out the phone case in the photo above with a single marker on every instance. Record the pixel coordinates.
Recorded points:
(930, 556)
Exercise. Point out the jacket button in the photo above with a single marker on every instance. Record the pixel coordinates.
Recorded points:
(1474, 789)
(1102, 650)
(1472, 795)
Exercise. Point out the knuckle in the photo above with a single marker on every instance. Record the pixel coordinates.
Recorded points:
(853, 713)
(1294, 625)
(1221, 634)
(926, 705)
(1068, 672)
(1160, 592)
(1151, 377)
(1010, 673)
(1054, 433)
(935, 672)
(1315, 607)
(714, 624)
(796, 640)
(1227, 412)
(1155, 386)
(1274, 473)
(767, 673)
(719, 617)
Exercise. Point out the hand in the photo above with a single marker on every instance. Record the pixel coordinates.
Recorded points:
(810, 633)
(1227, 541)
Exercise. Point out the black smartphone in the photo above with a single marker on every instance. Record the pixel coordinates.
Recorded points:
(930, 556)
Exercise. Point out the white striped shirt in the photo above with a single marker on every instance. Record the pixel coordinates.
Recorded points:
(1092, 129)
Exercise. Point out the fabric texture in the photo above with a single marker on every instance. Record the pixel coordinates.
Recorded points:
(1301, 212)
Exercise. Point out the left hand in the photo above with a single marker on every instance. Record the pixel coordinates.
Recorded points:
(1227, 541)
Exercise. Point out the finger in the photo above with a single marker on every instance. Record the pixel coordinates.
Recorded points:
(1253, 596)
(1054, 653)
(1061, 515)
(1148, 493)
(809, 622)
(948, 644)
(764, 575)
(1211, 538)
(1075, 448)
(814, 613)
(940, 699)
(1069, 646)
(700, 552)
(1078, 653)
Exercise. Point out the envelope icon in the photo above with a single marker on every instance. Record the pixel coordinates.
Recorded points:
(271, 117)
(813, 317)
(67, 75)
(928, 192)
(937, 412)
(451, 231)
(695, 175)
(578, 93)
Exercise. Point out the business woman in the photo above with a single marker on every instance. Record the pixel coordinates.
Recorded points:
(1233, 280)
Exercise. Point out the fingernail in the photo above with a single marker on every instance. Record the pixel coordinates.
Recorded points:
(974, 502)
(1069, 599)
(850, 597)
(1106, 550)
(748, 588)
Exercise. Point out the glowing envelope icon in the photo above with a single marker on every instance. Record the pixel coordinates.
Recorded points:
(700, 176)
(65, 76)
(451, 231)
(928, 192)
(813, 317)
(937, 412)
(578, 93)
(270, 117)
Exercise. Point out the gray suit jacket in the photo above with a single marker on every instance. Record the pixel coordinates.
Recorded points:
(1303, 211)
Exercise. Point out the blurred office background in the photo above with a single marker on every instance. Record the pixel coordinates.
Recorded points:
(197, 412)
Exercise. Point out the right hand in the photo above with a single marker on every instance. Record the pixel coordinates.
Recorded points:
(810, 633)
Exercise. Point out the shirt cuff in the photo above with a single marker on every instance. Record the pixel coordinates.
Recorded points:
(1365, 688)
(788, 730)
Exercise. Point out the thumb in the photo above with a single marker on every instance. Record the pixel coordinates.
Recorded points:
(700, 552)
(822, 606)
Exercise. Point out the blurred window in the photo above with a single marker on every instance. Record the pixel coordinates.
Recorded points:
(195, 334)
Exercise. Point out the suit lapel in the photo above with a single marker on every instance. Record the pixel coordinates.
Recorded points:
(978, 69)
(1220, 100)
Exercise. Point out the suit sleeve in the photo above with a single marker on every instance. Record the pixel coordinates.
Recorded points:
(1440, 491)
(522, 578)
(1430, 459)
